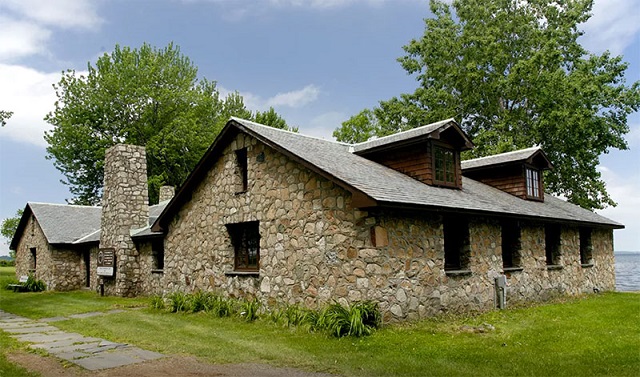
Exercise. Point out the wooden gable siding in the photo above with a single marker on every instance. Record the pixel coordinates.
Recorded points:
(414, 161)
(508, 179)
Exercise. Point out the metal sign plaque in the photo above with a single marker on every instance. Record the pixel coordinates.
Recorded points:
(106, 259)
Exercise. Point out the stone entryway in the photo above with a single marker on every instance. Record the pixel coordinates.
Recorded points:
(87, 352)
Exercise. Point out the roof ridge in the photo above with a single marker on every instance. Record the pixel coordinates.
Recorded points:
(503, 154)
(290, 132)
(64, 205)
(406, 131)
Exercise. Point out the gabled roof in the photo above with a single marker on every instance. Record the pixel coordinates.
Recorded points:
(71, 224)
(60, 223)
(430, 131)
(374, 184)
(529, 155)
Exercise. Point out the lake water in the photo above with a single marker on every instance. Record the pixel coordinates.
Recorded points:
(627, 271)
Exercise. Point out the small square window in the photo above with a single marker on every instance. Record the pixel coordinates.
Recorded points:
(533, 183)
(444, 166)
(245, 238)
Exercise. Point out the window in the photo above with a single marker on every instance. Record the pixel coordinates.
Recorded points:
(241, 158)
(456, 243)
(34, 255)
(444, 166)
(511, 245)
(157, 254)
(586, 257)
(533, 183)
(552, 244)
(245, 238)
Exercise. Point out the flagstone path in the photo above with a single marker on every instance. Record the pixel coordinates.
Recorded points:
(87, 352)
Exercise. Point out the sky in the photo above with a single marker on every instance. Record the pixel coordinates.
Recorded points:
(317, 62)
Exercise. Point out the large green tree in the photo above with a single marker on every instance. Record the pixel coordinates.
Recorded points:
(514, 74)
(8, 229)
(146, 96)
(4, 116)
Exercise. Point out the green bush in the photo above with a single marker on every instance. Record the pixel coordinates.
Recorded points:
(359, 319)
(178, 302)
(249, 310)
(34, 285)
(157, 302)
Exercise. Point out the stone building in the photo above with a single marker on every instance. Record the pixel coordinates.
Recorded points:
(287, 218)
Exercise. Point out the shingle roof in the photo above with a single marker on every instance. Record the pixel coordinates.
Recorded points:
(389, 187)
(73, 224)
(62, 223)
(414, 133)
(502, 158)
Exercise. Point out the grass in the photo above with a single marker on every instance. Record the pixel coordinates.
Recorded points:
(593, 335)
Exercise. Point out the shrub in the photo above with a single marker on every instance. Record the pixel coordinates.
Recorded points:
(221, 307)
(157, 302)
(359, 319)
(198, 301)
(178, 302)
(34, 285)
(249, 310)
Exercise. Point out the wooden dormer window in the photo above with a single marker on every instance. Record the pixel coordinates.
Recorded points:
(534, 189)
(444, 166)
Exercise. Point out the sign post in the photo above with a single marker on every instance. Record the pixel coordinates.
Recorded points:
(106, 261)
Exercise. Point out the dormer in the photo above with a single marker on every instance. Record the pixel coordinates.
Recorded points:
(429, 154)
(518, 173)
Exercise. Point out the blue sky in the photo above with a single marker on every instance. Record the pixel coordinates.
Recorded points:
(317, 62)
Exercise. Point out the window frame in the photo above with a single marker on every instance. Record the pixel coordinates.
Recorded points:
(435, 147)
(552, 244)
(533, 183)
(157, 254)
(457, 245)
(243, 236)
(242, 166)
(511, 237)
(586, 246)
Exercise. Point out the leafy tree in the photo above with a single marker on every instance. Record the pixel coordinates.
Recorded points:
(144, 96)
(8, 229)
(4, 116)
(272, 119)
(514, 75)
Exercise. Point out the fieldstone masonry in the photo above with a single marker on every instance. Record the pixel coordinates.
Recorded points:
(125, 207)
(316, 247)
(59, 268)
(166, 193)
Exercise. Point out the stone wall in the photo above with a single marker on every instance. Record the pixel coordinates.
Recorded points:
(124, 207)
(315, 247)
(151, 280)
(62, 269)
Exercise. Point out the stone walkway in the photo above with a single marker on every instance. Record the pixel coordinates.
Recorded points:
(89, 353)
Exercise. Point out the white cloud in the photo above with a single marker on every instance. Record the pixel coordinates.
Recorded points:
(624, 190)
(322, 126)
(294, 98)
(613, 26)
(19, 39)
(323, 4)
(59, 13)
(30, 95)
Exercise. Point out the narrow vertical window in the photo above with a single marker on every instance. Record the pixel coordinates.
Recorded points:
(444, 166)
(34, 256)
(157, 254)
(456, 243)
(511, 245)
(552, 244)
(241, 159)
(533, 183)
(245, 238)
(586, 249)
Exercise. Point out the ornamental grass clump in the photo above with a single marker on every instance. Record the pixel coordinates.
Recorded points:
(359, 319)
(178, 302)
(34, 285)
(249, 310)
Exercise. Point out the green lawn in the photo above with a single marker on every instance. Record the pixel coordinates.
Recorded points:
(596, 335)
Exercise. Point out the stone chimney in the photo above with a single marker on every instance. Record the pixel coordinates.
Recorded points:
(125, 206)
(166, 193)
